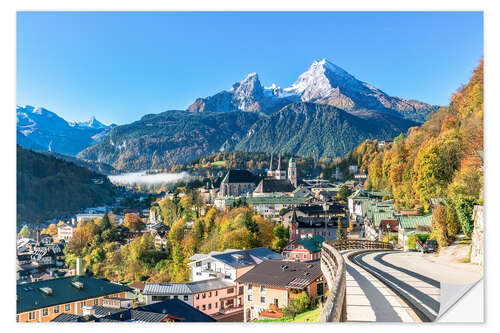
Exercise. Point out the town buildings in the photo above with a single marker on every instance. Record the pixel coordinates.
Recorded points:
(172, 310)
(306, 226)
(42, 301)
(304, 249)
(209, 296)
(229, 264)
(65, 232)
(269, 286)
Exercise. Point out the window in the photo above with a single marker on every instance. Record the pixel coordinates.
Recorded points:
(198, 264)
(32, 315)
(204, 307)
(250, 286)
(276, 302)
(204, 296)
(210, 306)
(296, 256)
(263, 300)
(305, 256)
(197, 296)
(56, 309)
(250, 298)
(67, 307)
(262, 289)
(96, 302)
(82, 304)
(216, 293)
(45, 312)
(185, 297)
(230, 290)
(216, 304)
(209, 294)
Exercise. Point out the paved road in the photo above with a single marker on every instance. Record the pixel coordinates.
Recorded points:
(369, 300)
(444, 272)
(417, 289)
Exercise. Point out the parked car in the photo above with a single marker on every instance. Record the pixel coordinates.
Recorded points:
(430, 246)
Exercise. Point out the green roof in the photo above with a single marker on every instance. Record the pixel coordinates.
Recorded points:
(312, 244)
(379, 216)
(63, 290)
(412, 222)
(272, 200)
(369, 194)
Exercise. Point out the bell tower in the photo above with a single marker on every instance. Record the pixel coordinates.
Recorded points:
(292, 172)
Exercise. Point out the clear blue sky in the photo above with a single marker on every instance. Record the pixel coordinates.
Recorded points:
(121, 66)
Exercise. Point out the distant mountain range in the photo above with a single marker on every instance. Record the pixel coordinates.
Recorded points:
(159, 141)
(326, 112)
(41, 129)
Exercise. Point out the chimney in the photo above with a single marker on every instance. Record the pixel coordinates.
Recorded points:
(88, 310)
(79, 267)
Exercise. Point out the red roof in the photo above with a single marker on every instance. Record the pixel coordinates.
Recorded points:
(137, 285)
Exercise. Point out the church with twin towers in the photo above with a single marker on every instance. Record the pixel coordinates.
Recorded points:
(282, 174)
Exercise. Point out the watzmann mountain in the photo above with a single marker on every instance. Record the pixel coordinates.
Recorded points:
(322, 83)
(326, 112)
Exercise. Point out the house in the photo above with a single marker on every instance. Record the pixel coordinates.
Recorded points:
(88, 217)
(209, 296)
(269, 286)
(160, 233)
(208, 193)
(43, 256)
(304, 249)
(168, 311)
(270, 207)
(178, 310)
(65, 232)
(408, 225)
(42, 301)
(138, 287)
(306, 226)
(238, 182)
(312, 210)
(229, 264)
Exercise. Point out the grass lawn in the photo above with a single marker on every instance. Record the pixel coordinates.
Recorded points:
(312, 315)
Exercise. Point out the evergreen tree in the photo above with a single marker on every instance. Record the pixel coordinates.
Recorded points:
(340, 230)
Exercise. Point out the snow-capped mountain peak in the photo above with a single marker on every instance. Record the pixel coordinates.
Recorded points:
(323, 82)
(91, 123)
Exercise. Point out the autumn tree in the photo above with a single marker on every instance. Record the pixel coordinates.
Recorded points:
(439, 225)
(25, 232)
(133, 222)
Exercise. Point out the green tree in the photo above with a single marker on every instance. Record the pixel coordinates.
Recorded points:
(250, 223)
(340, 229)
(344, 192)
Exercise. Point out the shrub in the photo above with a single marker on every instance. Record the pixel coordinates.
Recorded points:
(412, 239)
